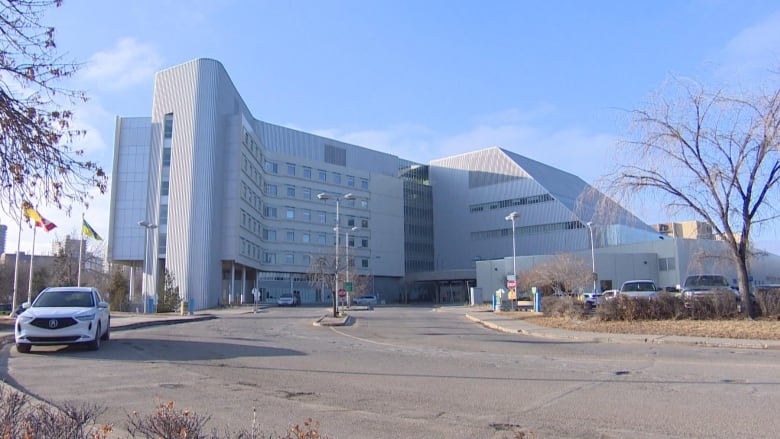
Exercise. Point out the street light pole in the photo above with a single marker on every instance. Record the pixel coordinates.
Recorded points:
(592, 254)
(346, 253)
(145, 285)
(325, 197)
(512, 217)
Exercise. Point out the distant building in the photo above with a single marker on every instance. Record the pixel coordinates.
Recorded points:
(228, 203)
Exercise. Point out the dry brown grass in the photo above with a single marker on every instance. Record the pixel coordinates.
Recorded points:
(738, 328)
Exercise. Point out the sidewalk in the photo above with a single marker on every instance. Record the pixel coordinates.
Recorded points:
(503, 321)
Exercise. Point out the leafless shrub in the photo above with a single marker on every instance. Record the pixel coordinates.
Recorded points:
(768, 301)
(562, 306)
(663, 307)
(168, 423)
(21, 419)
(717, 305)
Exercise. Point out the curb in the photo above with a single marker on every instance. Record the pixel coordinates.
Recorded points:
(552, 333)
(327, 320)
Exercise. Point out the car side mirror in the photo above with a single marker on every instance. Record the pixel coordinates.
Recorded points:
(102, 304)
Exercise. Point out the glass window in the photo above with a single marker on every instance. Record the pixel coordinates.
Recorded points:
(306, 193)
(290, 191)
(269, 235)
(306, 214)
(168, 126)
(290, 235)
(291, 169)
(363, 183)
(321, 217)
(270, 189)
(321, 239)
(322, 175)
(164, 188)
(289, 258)
(271, 167)
(269, 258)
(269, 212)
(307, 172)
(364, 223)
(336, 178)
(364, 263)
(166, 157)
(351, 180)
(306, 237)
(306, 260)
(351, 221)
(290, 213)
(364, 243)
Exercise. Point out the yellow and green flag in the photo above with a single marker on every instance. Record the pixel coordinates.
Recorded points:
(87, 230)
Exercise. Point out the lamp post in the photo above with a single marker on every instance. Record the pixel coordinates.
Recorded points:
(325, 197)
(512, 217)
(592, 254)
(144, 286)
(346, 252)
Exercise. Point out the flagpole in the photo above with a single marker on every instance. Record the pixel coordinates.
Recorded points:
(81, 244)
(16, 264)
(32, 254)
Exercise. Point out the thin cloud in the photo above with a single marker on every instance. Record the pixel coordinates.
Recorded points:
(126, 64)
(752, 53)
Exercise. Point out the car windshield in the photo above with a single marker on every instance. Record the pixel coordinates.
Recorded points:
(707, 281)
(52, 299)
(639, 286)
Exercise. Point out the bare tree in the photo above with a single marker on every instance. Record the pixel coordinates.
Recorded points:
(561, 273)
(710, 154)
(36, 138)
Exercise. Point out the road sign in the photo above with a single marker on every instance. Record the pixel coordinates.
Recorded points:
(342, 293)
(348, 286)
(511, 284)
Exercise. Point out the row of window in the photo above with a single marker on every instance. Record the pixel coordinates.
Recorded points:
(253, 251)
(305, 215)
(501, 204)
(526, 230)
(250, 170)
(249, 222)
(322, 175)
(306, 193)
(252, 146)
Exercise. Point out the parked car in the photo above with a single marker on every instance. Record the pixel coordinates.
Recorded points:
(599, 297)
(287, 299)
(592, 298)
(700, 285)
(609, 295)
(63, 316)
(368, 300)
(639, 289)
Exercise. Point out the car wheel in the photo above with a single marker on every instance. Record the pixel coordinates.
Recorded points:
(23, 348)
(95, 343)
(107, 335)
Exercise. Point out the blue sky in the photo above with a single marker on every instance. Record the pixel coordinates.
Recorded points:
(550, 80)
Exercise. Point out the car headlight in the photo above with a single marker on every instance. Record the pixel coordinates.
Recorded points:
(24, 318)
(85, 317)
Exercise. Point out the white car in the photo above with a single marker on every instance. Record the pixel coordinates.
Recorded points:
(63, 316)
(364, 300)
(643, 289)
(287, 299)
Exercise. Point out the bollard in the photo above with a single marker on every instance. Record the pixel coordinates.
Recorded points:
(537, 301)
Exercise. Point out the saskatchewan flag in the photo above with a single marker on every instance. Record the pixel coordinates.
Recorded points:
(87, 230)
